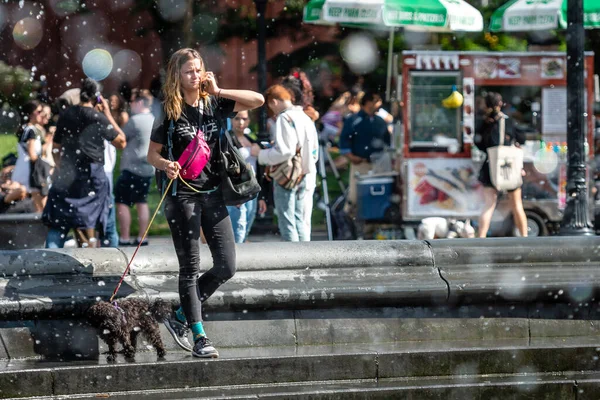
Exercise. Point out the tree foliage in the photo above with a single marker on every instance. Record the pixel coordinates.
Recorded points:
(16, 85)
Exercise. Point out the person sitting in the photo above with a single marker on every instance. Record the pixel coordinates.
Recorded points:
(13, 195)
(14, 200)
(363, 135)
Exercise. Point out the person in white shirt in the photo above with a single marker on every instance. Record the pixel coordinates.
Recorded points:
(293, 129)
(310, 177)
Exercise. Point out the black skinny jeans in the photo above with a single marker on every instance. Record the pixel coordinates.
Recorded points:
(186, 214)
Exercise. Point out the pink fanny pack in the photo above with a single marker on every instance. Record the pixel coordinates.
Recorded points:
(194, 157)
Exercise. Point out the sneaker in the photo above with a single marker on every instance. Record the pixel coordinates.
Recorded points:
(144, 243)
(203, 348)
(125, 243)
(179, 331)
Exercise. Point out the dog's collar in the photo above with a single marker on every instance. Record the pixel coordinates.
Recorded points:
(116, 305)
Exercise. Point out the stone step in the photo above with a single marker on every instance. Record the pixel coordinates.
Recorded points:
(567, 386)
(302, 365)
(73, 339)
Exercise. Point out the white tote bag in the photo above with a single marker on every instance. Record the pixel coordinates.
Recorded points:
(506, 163)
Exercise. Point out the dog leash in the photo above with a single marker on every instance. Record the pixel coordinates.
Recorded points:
(141, 241)
(146, 233)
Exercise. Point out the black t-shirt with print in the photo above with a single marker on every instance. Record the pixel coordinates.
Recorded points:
(210, 119)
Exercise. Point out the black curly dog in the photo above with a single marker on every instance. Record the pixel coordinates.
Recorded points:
(124, 320)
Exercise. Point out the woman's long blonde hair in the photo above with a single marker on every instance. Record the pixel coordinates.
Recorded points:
(173, 103)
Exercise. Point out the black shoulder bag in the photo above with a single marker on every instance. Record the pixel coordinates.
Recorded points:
(238, 181)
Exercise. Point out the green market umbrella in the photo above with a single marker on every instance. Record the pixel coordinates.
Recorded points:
(531, 15)
(421, 15)
(415, 15)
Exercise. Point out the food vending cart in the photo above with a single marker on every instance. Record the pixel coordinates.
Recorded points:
(436, 161)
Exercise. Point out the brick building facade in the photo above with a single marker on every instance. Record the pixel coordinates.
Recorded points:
(64, 37)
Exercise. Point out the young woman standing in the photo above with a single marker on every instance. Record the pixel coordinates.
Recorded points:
(29, 149)
(488, 135)
(193, 102)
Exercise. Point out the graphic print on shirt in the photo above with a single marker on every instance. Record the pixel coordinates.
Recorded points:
(209, 130)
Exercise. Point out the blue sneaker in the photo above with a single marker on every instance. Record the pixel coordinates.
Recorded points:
(179, 331)
(203, 348)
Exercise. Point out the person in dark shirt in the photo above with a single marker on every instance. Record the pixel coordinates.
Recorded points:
(363, 135)
(80, 198)
(194, 104)
(487, 134)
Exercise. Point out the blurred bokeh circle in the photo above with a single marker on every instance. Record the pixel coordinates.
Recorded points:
(62, 8)
(172, 10)
(127, 64)
(9, 119)
(28, 33)
(545, 161)
(97, 64)
(3, 17)
(360, 52)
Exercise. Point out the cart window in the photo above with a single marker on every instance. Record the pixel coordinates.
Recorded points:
(524, 105)
(432, 126)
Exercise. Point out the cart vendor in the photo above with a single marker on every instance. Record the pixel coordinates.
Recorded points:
(363, 135)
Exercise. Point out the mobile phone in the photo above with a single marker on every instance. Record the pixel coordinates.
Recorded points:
(99, 99)
(265, 145)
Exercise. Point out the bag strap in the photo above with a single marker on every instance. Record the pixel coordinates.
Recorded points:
(170, 139)
(21, 142)
(502, 130)
(290, 120)
(170, 155)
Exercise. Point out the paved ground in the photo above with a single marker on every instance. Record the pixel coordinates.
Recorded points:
(318, 235)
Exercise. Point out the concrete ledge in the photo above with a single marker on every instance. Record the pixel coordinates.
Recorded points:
(292, 276)
(290, 256)
(560, 269)
(22, 231)
(93, 262)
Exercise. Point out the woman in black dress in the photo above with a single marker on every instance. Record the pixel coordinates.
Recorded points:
(79, 198)
(487, 135)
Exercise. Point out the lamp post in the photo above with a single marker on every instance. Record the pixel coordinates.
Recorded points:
(576, 219)
(261, 6)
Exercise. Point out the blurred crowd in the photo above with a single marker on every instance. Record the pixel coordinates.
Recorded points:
(43, 176)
